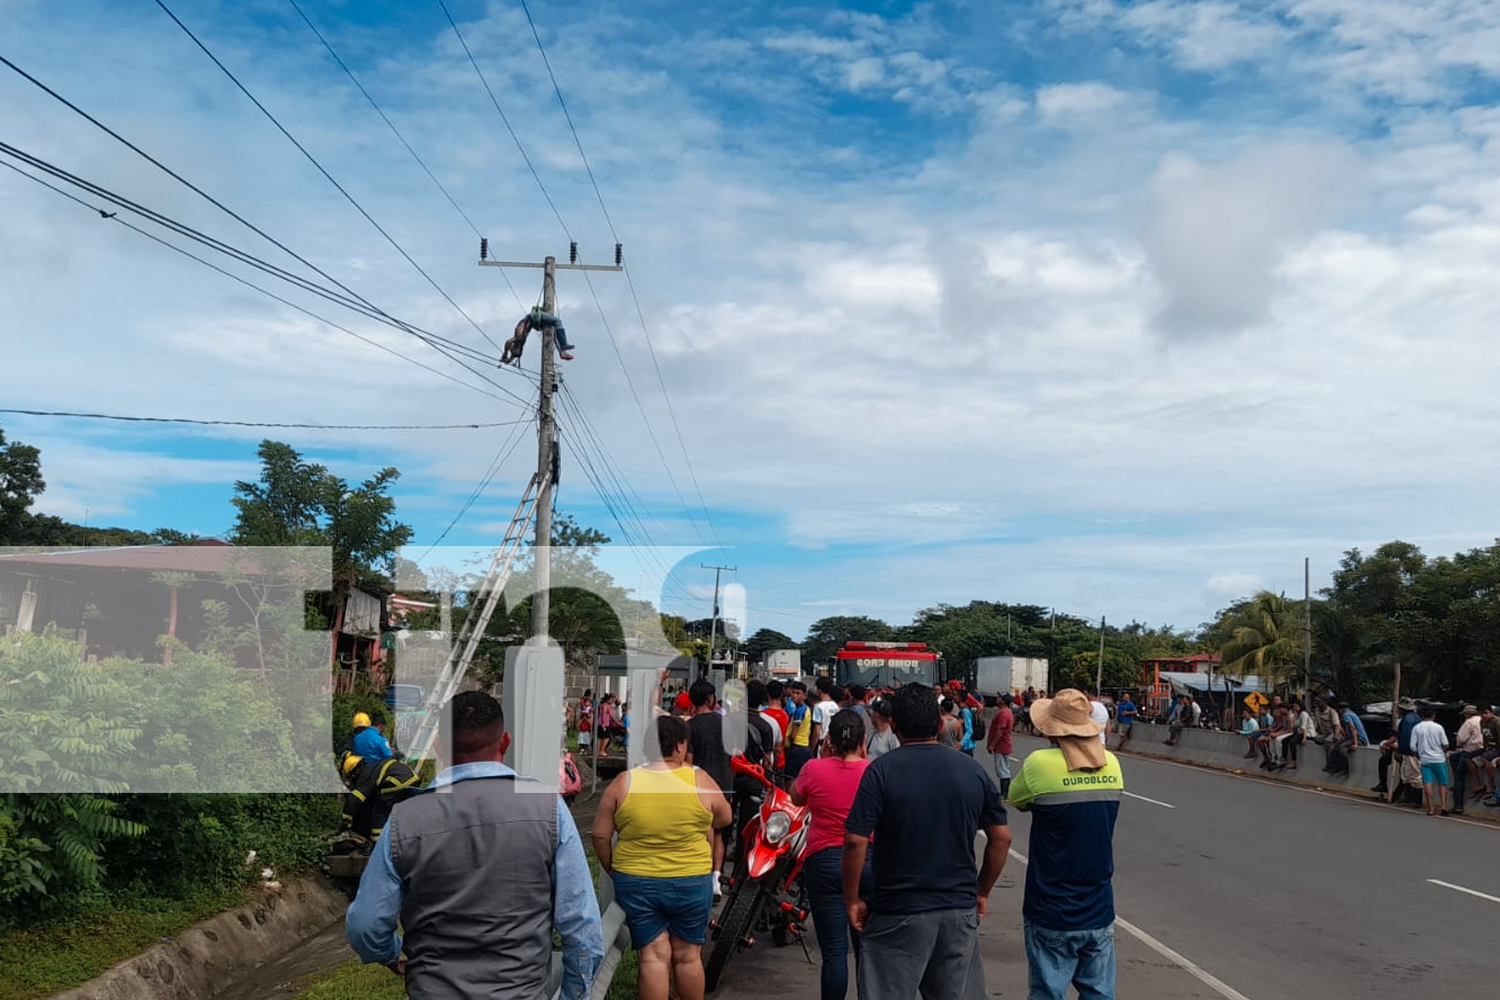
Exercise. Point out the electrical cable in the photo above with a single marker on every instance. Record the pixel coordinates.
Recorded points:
(252, 285)
(330, 178)
(397, 132)
(353, 295)
(507, 448)
(434, 341)
(629, 280)
(257, 423)
(496, 102)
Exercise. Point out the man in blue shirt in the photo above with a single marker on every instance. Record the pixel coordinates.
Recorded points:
(1125, 718)
(369, 742)
(479, 870)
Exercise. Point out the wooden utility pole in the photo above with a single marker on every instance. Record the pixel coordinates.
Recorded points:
(1307, 626)
(1099, 668)
(546, 426)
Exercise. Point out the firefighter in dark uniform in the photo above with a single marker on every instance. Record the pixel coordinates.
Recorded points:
(374, 786)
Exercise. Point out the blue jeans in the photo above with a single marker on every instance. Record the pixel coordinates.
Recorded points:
(1086, 959)
(823, 875)
(1002, 766)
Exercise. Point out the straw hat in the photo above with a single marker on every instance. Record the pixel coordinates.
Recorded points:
(1065, 717)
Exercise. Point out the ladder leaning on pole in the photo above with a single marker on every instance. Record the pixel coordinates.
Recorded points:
(467, 644)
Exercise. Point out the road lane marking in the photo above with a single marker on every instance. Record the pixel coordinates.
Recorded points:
(1459, 888)
(1154, 802)
(1199, 973)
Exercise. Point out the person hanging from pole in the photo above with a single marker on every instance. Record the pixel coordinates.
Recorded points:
(537, 319)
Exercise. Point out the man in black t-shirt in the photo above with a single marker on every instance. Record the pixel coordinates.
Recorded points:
(708, 749)
(921, 805)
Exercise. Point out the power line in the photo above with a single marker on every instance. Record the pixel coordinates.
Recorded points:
(496, 102)
(256, 423)
(397, 132)
(506, 450)
(630, 282)
(314, 161)
(360, 306)
(353, 295)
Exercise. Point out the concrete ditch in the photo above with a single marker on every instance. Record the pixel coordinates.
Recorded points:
(215, 955)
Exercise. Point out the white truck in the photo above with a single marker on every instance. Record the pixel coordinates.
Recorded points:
(995, 675)
(782, 664)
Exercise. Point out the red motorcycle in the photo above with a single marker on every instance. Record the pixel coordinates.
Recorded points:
(766, 894)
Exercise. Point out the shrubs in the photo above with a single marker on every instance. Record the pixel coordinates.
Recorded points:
(88, 732)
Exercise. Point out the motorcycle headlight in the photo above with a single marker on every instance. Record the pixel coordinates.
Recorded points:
(777, 827)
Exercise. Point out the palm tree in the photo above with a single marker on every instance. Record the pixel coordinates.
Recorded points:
(1265, 639)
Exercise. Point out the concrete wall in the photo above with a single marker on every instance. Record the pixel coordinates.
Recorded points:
(1227, 750)
(208, 957)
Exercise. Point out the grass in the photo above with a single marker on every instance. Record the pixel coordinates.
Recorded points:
(48, 958)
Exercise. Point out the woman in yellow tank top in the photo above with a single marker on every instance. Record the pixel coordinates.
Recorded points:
(664, 813)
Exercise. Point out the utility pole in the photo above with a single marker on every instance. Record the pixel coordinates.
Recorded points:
(713, 626)
(1307, 625)
(1099, 667)
(547, 463)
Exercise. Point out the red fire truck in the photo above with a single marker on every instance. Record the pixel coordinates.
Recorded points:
(875, 664)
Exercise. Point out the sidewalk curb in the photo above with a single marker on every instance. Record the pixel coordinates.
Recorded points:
(1491, 817)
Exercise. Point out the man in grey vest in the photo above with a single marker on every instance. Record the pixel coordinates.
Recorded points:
(478, 870)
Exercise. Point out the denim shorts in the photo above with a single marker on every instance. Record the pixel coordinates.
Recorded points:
(679, 906)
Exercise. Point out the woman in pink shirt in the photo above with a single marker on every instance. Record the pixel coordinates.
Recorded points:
(826, 785)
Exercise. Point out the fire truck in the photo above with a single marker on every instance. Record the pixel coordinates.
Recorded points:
(885, 664)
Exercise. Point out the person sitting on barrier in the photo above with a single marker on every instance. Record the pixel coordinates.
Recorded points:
(1484, 764)
(1186, 718)
(665, 813)
(1282, 722)
(1250, 729)
(1303, 729)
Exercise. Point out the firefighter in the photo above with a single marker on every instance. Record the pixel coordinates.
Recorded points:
(374, 786)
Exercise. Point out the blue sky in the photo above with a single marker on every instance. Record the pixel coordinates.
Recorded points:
(1125, 308)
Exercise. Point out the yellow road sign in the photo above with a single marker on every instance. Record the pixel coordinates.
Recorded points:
(1256, 701)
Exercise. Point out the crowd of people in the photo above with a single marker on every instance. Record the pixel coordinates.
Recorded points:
(895, 802)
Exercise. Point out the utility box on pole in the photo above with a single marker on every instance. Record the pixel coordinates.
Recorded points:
(533, 703)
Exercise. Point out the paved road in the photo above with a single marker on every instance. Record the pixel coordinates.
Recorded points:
(1271, 892)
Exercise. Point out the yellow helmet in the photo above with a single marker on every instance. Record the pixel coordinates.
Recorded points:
(361, 719)
(350, 762)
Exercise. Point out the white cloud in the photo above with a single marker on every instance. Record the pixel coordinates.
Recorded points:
(1063, 101)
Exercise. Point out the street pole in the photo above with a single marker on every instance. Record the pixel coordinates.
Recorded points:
(1307, 626)
(546, 426)
(546, 441)
(1099, 668)
(713, 626)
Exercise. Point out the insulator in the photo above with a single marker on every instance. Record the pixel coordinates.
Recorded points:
(573, 252)
(619, 254)
(484, 248)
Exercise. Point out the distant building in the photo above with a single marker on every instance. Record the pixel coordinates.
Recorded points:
(1157, 691)
(119, 601)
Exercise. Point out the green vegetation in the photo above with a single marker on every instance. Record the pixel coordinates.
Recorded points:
(58, 954)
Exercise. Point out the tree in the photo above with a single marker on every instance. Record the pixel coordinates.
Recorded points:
(827, 636)
(767, 639)
(20, 484)
(296, 502)
(1265, 639)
